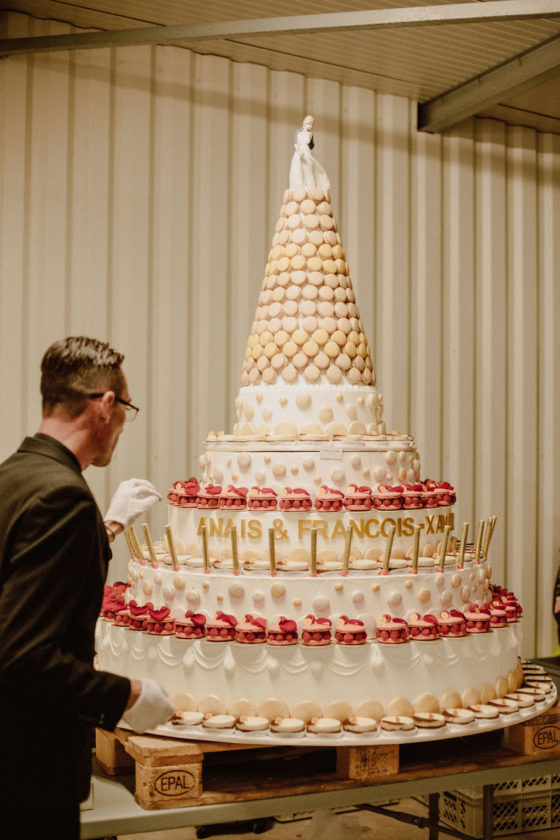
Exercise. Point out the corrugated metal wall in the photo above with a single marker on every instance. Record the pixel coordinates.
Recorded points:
(139, 189)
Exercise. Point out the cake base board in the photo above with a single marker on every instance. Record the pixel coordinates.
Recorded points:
(377, 738)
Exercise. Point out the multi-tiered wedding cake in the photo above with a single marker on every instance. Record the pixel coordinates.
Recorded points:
(310, 574)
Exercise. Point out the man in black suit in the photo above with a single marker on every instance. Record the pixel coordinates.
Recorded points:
(54, 553)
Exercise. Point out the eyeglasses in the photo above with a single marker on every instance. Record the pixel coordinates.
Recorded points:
(130, 410)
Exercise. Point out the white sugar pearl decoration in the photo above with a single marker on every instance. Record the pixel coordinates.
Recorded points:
(279, 469)
(318, 480)
(278, 590)
(337, 476)
(352, 412)
(356, 462)
(244, 461)
(390, 457)
(193, 596)
(357, 597)
(179, 582)
(379, 474)
(294, 469)
(157, 578)
(258, 598)
(440, 581)
(456, 581)
(260, 477)
(308, 464)
(303, 401)
(147, 587)
(236, 590)
(234, 476)
(218, 475)
(366, 472)
(168, 593)
(394, 599)
(446, 598)
(424, 596)
(321, 604)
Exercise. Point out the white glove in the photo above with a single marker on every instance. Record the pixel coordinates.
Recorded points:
(151, 708)
(133, 498)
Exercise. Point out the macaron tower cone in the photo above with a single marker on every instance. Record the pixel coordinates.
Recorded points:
(307, 335)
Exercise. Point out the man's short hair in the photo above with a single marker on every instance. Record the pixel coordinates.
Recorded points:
(74, 368)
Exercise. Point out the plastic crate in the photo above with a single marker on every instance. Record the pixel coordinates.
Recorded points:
(513, 787)
(536, 812)
(555, 810)
(512, 814)
(466, 814)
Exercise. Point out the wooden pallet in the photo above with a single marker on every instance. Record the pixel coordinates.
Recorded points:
(175, 773)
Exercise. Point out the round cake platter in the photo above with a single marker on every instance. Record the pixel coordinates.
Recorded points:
(341, 739)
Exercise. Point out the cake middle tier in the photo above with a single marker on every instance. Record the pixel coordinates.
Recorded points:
(292, 532)
(311, 462)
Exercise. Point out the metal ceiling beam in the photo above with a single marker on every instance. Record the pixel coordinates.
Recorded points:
(493, 10)
(526, 70)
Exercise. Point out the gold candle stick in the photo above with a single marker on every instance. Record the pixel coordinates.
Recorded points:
(478, 543)
(171, 547)
(234, 553)
(489, 535)
(129, 544)
(314, 551)
(416, 548)
(137, 548)
(150, 546)
(388, 549)
(346, 563)
(205, 557)
(272, 551)
(464, 535)
(443, 549)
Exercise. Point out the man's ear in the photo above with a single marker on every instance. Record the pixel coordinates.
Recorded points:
(105, 405)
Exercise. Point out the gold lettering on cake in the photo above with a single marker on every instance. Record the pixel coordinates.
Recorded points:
(322, 528)
(254, 529)
(407, 526)
(384, 524)
(201, 524)
(429, 524)
(215, 527)
(358, 527)
(339, 530)
(371, 523)
(304, 525)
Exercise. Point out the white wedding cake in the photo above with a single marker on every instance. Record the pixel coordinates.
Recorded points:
(310, 573)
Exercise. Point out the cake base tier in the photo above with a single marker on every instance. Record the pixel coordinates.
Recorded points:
(388, 679)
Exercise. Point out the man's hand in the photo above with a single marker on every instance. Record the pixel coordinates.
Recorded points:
(132, 499)
(148, 706)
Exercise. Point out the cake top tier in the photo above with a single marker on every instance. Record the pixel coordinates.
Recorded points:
(307, 343)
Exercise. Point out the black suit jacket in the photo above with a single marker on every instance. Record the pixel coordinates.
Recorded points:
(53, 564)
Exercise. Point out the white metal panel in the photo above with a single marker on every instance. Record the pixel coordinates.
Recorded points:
(522, 371)
(168, 405)
(14, 214)
(459, 328)
(138, 196)
(392, 325)
(426, 363)
(548, 522)
(490, 383)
